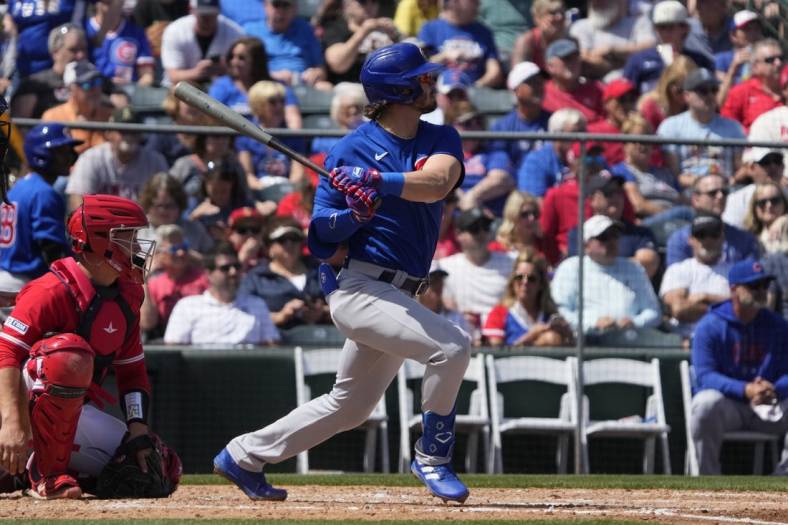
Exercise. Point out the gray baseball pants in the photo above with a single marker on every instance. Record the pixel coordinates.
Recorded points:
(383, 326)
(713, 414)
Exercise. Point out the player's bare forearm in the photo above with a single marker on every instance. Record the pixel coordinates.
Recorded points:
(434, 181)
(10, 396)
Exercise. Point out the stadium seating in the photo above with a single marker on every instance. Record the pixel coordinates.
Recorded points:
(475, 422)
(310, 363)
(531, 368)
(758, 439)
(312, 335)
(634, 338)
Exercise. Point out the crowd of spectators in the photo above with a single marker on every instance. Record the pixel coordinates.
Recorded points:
(663, 224)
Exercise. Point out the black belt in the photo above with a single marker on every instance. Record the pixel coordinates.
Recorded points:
(411, 285)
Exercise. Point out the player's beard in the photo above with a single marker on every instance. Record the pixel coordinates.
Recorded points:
(426, 103)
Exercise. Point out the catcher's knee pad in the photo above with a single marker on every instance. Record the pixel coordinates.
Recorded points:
(61, 370)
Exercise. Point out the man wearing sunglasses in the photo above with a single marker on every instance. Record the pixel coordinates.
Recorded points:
(221, 314)
(85, 102)
(741, 365)
(761, 93)
(690, 287)
(701, 121)
(710, 195)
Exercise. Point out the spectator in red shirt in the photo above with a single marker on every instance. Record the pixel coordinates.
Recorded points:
(178, 276)
(667, 98)
(619, 97)
(549, 25)
(566, 88)
(748, 100)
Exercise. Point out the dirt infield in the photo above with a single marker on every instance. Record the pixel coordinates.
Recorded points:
(403, 503)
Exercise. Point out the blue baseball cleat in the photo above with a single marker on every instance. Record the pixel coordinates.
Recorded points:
(441, 481)
(253, 484)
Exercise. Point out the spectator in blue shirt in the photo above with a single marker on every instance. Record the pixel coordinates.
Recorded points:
(247, 64)
(295, 54)
(457, 40)
(709, 194)
(526, 82)
(32, 24)
(243, 12)
(741, 365)
(671, 22)
(547, 166)
(119, 47)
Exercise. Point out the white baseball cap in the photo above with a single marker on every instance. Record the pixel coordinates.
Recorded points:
(520, 73)
(596, 226)
(744, 17)
(669, 12)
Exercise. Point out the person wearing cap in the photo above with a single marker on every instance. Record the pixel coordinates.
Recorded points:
(432, 297)
(35, 235)
(451, 90)
(120, 49)
(671, 22)
(45, 89)
(617, 292)
(701, 121)
(741, 365)
(294, 52)
(733, 65)
(566, 89)
(526, 82)
(709, 195)
(487, 179)
(120, 166)
(288, 281)
(549, 25)
(477, 276)
(176, 272)
(459, 41)
(690, 287)
(527, 315)
(761, 93)
(609, 35)
(192, 46)
(221, 314)
(85, 102)
(352, 34)
(245, 233)
(765, 166)
(619, 97)
(606, 196)
(772, 126)
(548, 165)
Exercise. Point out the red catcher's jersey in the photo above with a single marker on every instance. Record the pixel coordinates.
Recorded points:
(52, 303)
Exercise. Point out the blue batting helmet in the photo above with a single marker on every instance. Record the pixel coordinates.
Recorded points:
(391, 73)
(42, 140)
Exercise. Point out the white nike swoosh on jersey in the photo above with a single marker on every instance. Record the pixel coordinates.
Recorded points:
(379, 156)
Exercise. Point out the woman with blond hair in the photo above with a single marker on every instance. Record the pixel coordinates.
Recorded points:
(266, 166)
(527, 315)
(520, 230)
(767, 205)
(667, 98)
(549, 25)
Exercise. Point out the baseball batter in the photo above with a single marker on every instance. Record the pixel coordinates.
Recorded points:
(384, 200)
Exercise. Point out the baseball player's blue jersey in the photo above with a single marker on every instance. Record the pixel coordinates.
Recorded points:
(402, 235)
(36, 213)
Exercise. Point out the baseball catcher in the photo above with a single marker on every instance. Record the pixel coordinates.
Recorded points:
(92, 302)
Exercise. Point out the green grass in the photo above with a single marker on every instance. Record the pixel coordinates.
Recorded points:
(316, 522)
(524, 481)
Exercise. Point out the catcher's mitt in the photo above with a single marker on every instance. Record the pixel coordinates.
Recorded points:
(123, 478)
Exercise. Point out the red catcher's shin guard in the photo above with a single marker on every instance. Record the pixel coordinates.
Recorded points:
(62, 370)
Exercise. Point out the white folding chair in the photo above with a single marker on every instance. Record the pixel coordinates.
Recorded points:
(653, 426)
(325, 361)
(758, 439)
(531, 368)
(475, 422)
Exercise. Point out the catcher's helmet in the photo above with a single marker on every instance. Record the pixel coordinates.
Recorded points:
(42, 140)
(391, 74)
(108, 225)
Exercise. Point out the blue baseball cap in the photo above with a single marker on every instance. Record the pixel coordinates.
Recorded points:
(451, 79)
(747, 271)
(562, 48)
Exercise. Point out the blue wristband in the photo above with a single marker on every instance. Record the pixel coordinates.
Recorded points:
(391, 183)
